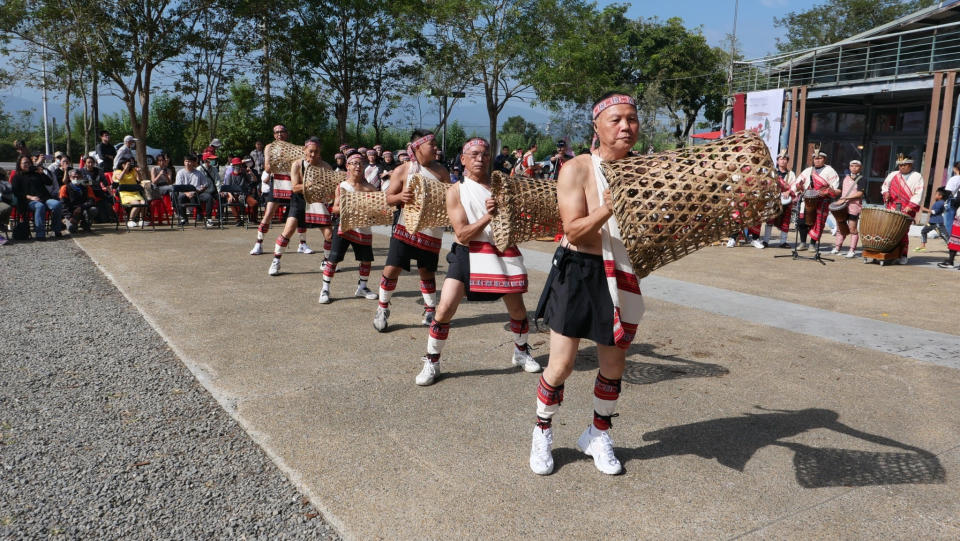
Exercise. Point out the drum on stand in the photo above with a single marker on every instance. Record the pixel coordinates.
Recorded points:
(811, 200)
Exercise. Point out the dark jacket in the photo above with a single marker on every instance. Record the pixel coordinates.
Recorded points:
(30, 183)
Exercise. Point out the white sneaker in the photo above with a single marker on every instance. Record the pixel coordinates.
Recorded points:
(428, 373)
(850, 254)
(274, 267)
(522, 357)
(324, 297)
(302, 248)
(209, 223)
(363, 291)
(257, 249)
(141, 223)
(428, 317)
(380, 320)
(132, 224)
(597, 443)
(803, 247)
(757, 244)
(835, 251)
(902, 260)
(731, 243)
(541, 451)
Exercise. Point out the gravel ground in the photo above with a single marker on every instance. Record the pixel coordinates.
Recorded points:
(104, 432)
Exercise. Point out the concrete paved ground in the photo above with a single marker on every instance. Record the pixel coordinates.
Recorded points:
(728, 428)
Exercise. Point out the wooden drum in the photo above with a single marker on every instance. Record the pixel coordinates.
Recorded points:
(882, 229)
(811, 200)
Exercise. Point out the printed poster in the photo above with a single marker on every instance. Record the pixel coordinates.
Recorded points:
(765, 115)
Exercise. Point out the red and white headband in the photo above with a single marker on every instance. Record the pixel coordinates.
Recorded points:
(616, 99)
(355, 157)
(476, 142)
(426, 138)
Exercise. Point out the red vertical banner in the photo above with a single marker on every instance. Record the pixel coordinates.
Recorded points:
(739, 112)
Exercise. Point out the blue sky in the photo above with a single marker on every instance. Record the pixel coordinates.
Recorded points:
(755, 31)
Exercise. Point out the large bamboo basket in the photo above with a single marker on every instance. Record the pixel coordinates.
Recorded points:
(526, 209)
(882, 229)
(282, 154)
(320, 185)
(429, 205)
(672, 203)
(364, 209)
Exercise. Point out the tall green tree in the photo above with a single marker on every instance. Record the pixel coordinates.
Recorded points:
(500, 42)
(168, 126)
(338, 41)
(143, 37)
(835, 20)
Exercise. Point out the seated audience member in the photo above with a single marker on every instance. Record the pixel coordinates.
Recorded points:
(102, 192)
(238, 186)
(31, 188)
(7, 202)
(161, 178)
(78, 201)
(189, 175)
(127, 179)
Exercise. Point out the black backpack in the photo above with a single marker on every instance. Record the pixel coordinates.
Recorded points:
(21, 231)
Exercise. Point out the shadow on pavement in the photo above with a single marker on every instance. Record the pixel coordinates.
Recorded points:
(732, 442)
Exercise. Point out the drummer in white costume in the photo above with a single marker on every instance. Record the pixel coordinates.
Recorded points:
(477, 269)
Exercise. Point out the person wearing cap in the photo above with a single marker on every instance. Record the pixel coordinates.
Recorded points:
(902, 191)
(126, 151)
(825, 180)
(237, 181)
(372, 169)
(854, 186)
(559, 158)
(216, 144)
(55, 169)
(787, 181)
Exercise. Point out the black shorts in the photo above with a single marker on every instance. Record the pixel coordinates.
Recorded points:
(853, 217)
(400, 254)
(339, 246)
(297, 208)
(458, 261)
(576, 299)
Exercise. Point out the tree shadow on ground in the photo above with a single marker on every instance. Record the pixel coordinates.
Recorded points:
(732, 442)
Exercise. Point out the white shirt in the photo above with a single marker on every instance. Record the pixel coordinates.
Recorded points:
(914, 184)
(805, 181)
(193, 178)
(953, 183)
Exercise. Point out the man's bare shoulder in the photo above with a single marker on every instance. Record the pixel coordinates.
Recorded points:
(577, 171)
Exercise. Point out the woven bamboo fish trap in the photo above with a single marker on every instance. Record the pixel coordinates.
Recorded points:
(282, 154)
(526, 209)
(429, 205)
(364, 209)
(671, 204)
(320, 185)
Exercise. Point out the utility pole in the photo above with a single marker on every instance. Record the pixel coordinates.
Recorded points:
(443, 95)
(733, 47)
(46, 131)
